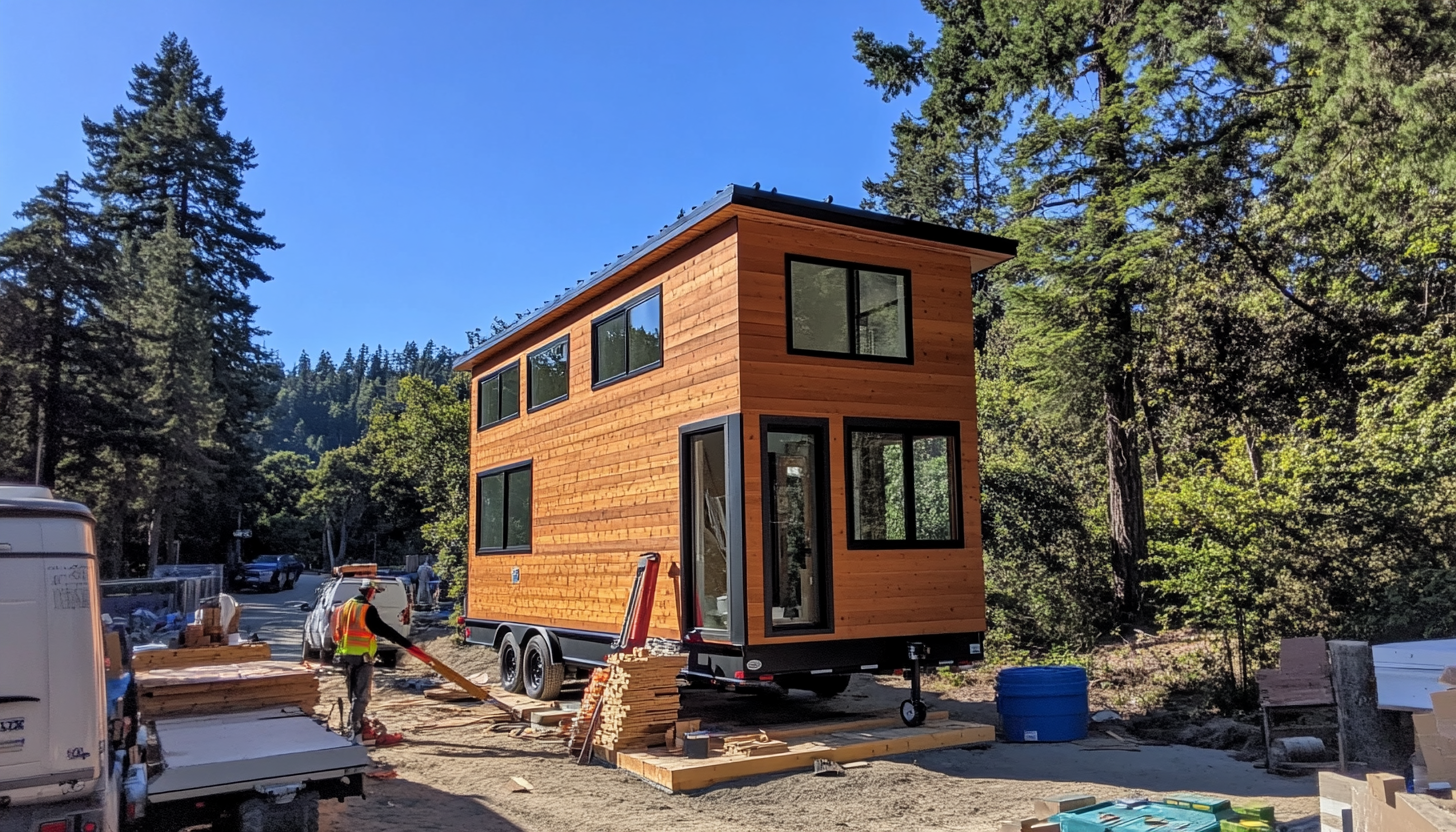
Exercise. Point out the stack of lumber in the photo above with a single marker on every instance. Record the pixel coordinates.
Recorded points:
(1303, 677)
(198, 656)
(640, 701)
(225, 688)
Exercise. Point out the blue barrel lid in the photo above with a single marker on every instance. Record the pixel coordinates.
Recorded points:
(1054, 675)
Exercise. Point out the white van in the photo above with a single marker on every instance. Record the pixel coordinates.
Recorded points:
(54, 762)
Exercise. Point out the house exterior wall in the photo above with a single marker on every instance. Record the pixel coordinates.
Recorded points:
(876, 592)
(605, 461)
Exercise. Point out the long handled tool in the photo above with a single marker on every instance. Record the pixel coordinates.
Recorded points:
(445, 670)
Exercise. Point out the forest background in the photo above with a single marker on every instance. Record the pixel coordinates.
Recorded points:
(1215, 386)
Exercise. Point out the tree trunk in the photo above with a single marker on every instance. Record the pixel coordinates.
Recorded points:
(1256, 456)
(154, 541)
(344, 539)
(1124, 495)
(1154, 446)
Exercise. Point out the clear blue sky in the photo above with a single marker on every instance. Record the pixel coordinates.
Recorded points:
(431, 165)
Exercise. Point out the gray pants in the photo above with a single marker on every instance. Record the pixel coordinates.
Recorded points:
(359, 676)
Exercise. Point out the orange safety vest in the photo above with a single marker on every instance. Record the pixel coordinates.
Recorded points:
(351, 635)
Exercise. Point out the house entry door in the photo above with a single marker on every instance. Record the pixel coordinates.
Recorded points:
(711, 532)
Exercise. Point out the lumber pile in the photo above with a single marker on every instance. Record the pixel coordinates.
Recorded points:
(1303, 677)
(640, 701)
(225, 688)
(198, 656)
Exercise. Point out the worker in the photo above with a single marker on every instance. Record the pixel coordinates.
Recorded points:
(423, 576)
(356, 633)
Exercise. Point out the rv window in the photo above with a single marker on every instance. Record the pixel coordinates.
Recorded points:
(503, 510)
(842, 309)
(904, 484)
(498, 397)
(628, 340)
(548, 374)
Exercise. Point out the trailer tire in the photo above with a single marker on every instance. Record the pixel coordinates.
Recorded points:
(509, 663)
(262, 815)
(541, 674)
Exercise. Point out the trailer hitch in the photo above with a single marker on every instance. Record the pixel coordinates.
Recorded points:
(913, 710)
(281, 792)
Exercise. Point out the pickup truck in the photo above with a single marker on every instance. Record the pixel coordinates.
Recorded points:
(267, 572)
(72, 761)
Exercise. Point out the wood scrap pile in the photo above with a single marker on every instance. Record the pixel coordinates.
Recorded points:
(225, 688)
(640, 701)
(752, 745)
(198, 656)
(1303, 677)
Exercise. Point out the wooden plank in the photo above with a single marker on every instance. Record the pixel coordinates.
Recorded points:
(196, 656)
(677, 773)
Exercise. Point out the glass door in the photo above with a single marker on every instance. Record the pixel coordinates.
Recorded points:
(706, 532)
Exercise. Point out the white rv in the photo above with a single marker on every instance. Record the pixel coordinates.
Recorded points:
(55, 772)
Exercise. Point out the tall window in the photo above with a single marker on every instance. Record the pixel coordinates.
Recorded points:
(847, 310)
(904, 484)
(498, 397)
(548, 373)
(628, 340)
(796, 499)
(503, 510)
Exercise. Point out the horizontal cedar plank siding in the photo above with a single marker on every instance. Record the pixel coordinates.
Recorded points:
(605, 462)
(876, 592)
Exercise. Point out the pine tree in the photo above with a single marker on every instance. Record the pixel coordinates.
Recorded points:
(165, 161)
(55, 281)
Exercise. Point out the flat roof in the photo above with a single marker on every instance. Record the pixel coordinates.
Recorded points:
(764, 201)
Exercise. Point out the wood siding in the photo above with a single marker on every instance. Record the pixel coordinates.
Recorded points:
(877, 592)
(605, 462)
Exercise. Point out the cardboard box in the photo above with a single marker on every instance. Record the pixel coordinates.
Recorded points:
(112, 644)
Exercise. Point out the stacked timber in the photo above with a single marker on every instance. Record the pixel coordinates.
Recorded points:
(1303, 677)
(225, 688)
(198, 656)
(640, 701)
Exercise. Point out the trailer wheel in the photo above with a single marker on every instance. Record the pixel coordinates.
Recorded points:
(542, 675)
(509, 667)
(262, 815)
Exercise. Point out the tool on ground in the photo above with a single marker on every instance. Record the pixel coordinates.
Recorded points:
(445, 670)
(913, 710)
(634, 633)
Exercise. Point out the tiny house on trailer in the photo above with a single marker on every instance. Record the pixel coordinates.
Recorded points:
(777, 395)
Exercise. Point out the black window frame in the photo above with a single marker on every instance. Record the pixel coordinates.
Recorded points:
(822, 508)
(531, 379)
(622, 310)
(908, 429)
(851, 303)
(504, 472)
(480, 423)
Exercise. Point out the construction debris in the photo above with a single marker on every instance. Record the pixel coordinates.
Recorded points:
(521, 784)
(640, 700)
(1303, 677)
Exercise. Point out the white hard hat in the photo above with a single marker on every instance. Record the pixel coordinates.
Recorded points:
(367, 583)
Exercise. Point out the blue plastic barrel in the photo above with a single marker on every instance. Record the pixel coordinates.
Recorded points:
(1042, 704)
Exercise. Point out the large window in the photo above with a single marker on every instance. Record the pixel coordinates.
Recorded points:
(498, 397)
(503, 510)
(904, 484)
(842, 309)
(548, 373)
(628, 340)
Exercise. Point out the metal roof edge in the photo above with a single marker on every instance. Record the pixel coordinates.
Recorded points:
(762, 200)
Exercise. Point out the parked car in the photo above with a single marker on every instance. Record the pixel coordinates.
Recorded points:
(267, 572)
(391, 599)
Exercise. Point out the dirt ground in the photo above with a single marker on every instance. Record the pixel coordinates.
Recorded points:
(459, 778)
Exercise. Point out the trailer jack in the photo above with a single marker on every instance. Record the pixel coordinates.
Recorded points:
(913, 710)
